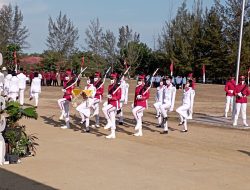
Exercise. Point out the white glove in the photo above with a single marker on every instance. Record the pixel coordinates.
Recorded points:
(63, 90)
(239, 94)
(139, 97)
(109, 96)
(171, 109)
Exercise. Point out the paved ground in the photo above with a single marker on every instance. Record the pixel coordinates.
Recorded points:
(207, 157)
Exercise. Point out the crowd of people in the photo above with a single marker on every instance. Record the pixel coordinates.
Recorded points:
(13, 85)
(117, 98)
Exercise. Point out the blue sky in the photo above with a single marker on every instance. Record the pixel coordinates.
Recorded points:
(143, 16)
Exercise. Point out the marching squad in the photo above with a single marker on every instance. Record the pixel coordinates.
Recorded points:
(88, 101)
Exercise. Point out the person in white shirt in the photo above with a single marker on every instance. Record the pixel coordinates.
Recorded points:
(183, 110)
(22, 85)
(159, 101)
(88, 100)
(1, 82)
(168, 103)
(7, 83)
(123, 100)
(14, 87)
(35, 88)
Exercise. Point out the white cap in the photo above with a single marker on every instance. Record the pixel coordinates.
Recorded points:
(4, 69)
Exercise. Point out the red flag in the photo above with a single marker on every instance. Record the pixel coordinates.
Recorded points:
(14, 55)
(203, 69)
(171, 67)
(82, 61)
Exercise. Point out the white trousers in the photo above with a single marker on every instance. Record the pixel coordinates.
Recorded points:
(13, 95)
(138, 113)
(2, 149)
(121, 113)
(84, 111)
(64, 107)
(157, 107)
(35, 95)
(164, 113)
(243, 108)
(96, 110)
(183, 112)
(110, 113)
(229, 104)
(21, 96)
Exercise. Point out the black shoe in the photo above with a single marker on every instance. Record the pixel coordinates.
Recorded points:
(118, 111)
(158, 126)
(164, 132)
(184, 131)
(86, 130)
(157, 116)
(120, 123)
(31, 98)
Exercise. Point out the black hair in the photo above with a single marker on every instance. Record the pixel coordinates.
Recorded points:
(36, 74)
(190, 82)
(13, 73)
(21, 69)
(91, 78)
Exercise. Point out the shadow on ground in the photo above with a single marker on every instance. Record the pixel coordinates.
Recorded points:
(12, 181)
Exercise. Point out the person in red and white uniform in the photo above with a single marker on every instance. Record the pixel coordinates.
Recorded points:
(229, 88)
(85, 107)
(168, 103)
(159, 101)
(67, 97)
(35, 88)
(140, 103)
(241, 92)
(113, 104)
(98, 83)
(184, 109)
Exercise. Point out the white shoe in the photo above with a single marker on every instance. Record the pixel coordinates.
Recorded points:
(235, 124)
(97, 126)
(111, 136)
(64, 127)
(138, 134)
(245, 124)
(225, 115)
(107, 126)
(137, 127)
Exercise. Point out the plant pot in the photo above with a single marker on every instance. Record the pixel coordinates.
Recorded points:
(13, 159)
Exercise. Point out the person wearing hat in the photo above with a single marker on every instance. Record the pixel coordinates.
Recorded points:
(113, 104)
(98, 83)
(14, 87)
(229, 88)
(159, 100)
(140, 103)
(84, 108)
(67, 97)
(241, 92)
(35, 88)
(168, 103)
(183, 110)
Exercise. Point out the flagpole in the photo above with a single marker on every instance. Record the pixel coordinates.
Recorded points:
(240, 42)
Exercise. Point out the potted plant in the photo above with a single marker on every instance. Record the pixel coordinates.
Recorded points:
(19, 144)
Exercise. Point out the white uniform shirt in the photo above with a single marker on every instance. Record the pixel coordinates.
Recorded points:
(187, 96)
(36, 85)
(1, 79)
(169, 95)
(7, 81)
(22, 80)
(14, 85)
(124, 91)
(159, 94)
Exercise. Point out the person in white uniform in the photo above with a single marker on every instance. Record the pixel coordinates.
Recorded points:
(168, 103)
(1, 82)
(84, 108)
(14, 87)
(123, 100)
(159, 101)
(35, 88)
(183, 110)
(7, 83)
(22, 85)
